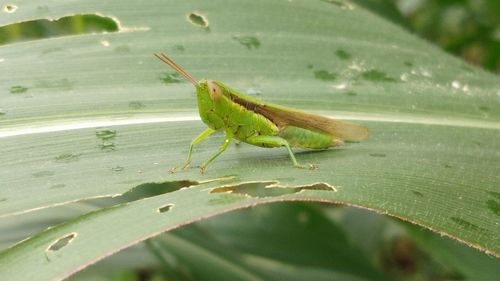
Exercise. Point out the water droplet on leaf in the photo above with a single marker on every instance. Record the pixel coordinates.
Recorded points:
(248, 41)
(18, 89)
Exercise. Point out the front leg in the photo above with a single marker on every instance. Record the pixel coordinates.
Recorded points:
(222, 148)
(198, 139)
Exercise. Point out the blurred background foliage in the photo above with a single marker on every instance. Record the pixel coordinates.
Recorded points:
(386, 248)
(469, 29)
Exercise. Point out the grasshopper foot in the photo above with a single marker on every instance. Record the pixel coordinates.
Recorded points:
(202, 168)
(299, 166)
(313, 166)
(308, 166)
(173, 169)
(186, 165)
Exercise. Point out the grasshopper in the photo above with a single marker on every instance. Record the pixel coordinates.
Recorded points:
(260, 123)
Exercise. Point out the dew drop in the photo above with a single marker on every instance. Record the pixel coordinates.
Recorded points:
(169, 78)
(105, 43)
(377, 154)
(343, 55)
(408, 63)
(325, 75)
(117, 168)
(18, 89)
(404, 77)
(136, 105)
(417, 193)
(67, 157)
(494, 206)
(105, 134)
(455, 84)
(340, 86)
(376, 75)
(107, 146)
(179, 48)
(248, 41)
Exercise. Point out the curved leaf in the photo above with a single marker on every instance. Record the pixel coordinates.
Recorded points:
(93, 115)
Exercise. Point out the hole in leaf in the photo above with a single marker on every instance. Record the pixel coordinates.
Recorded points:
(62, 242)
(47, 28)
(267, 189)
(10, 8)
(151, 189)
(198, 19)
(165, 208)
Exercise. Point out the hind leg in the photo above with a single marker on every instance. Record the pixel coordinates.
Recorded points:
(273, 141)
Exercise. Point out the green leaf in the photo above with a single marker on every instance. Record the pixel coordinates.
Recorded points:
(432, 157)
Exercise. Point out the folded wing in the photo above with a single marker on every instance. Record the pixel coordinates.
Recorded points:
(283, 116)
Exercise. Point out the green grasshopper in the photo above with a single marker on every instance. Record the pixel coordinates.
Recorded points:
(260, 123)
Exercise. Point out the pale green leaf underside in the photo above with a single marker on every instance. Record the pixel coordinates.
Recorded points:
(438, 168)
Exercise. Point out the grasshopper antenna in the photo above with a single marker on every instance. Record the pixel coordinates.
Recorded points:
(164, 58)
